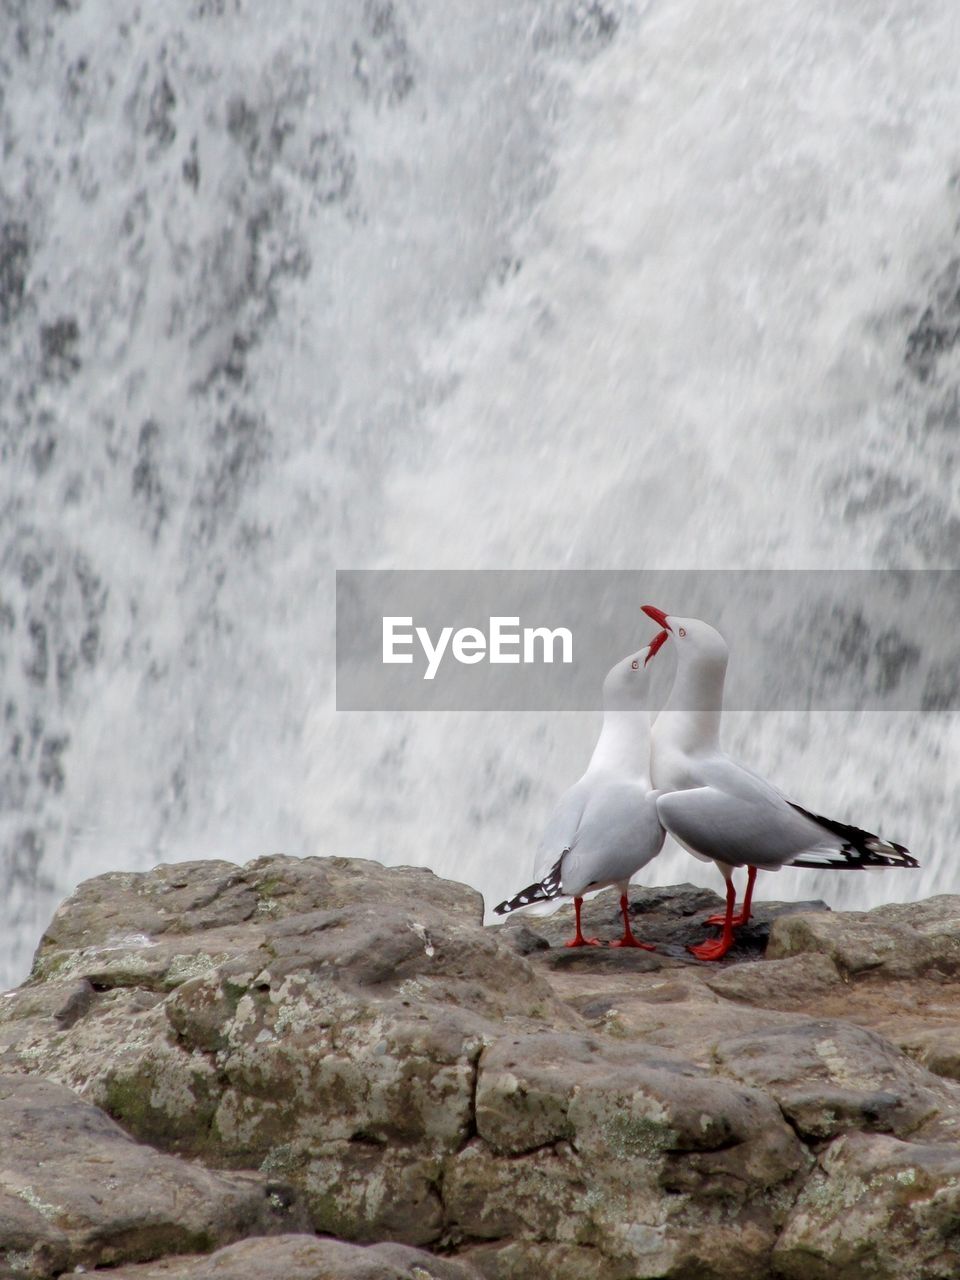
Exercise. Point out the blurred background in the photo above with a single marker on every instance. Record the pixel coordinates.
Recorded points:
(437, 284)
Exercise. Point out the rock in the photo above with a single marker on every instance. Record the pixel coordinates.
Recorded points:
(670, 918)
(673, 1009)
(354, 1033)
(661, 1148)
(608, 960)
(524, 1259)
(156, 929)
(524, 941)
(302, 1257)
(875, 1209)
(936, 1048)
(830, 1077)
(319, 1020)
(896, 941)
(76, 1191)
(778, 984)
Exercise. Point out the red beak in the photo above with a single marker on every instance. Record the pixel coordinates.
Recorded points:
(659, 617)
(655, 645)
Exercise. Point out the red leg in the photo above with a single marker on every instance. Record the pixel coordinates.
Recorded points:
(748, 896)
(628, 940)
(719, 947)
(744, 916)
(579, 940)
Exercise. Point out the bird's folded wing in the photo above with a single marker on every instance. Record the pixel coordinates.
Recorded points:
(619, 832)
(562, 828)
(748, 828)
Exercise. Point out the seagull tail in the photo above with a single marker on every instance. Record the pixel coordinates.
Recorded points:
(859, 851)
(541, 891)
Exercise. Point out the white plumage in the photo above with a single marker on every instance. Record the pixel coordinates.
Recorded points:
(721, 810)
(605, 828)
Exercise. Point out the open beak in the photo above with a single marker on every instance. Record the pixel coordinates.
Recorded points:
(655, 645)
(659, 617)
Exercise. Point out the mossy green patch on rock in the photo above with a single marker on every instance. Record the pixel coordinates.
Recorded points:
(165, 1099)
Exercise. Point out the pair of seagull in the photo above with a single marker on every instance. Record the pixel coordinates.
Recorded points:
(613, 821)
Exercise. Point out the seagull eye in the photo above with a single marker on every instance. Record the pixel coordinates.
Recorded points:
(682, 631)
(634, 665)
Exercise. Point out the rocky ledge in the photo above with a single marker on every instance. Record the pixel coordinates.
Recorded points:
(324, 1068)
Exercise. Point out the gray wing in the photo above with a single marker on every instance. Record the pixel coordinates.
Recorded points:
(618, 833)
(737, 817)
(562, 827)
(733, 829)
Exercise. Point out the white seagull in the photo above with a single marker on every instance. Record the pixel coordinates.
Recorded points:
(605, 828)
(721, 810)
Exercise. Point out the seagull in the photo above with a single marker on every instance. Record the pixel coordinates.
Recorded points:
(605, 827)
(722, 811)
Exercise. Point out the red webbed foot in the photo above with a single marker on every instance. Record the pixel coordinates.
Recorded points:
(628, 939)
(744, 917)
(578, 940)
(713, 950)
(721, 919)
(633, 942)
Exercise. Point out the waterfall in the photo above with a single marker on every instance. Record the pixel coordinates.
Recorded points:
(411, 283)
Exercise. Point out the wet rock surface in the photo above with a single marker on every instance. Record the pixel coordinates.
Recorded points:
(343, 1054)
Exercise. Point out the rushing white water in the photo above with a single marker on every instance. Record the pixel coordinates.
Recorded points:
(569, 283)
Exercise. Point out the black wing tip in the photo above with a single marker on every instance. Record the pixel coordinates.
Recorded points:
(525, 898)
(861, 849)
(851, 860)
(908, 860)
(540, 891)
(899, 857)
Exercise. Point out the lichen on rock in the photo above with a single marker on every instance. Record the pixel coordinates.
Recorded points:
(376, 1065)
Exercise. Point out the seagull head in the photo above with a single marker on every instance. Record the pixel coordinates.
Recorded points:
(627, 685)
(694, 638)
